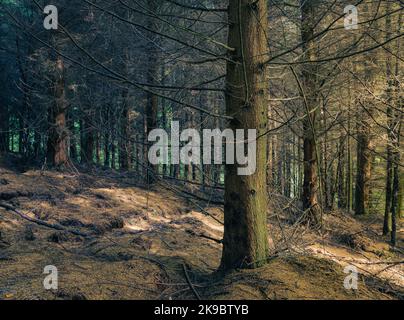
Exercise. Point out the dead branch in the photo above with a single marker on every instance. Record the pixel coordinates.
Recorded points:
(190, 283)
(55, 226)
(202, 235)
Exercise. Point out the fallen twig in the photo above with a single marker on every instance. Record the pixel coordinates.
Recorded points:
(210, 238)
(190, 283)
(55, 226)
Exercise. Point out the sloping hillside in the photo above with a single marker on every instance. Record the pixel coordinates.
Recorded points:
(118, 241)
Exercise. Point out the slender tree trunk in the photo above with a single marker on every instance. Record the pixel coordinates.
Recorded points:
(152, 100)
(57, 152)
(269, 154)
(287, 183)
(349, 178)
(23, 140)
(125, 136)
(389, 114)
(113, 148)
(396, 200)
(364, 138)
(97, 148)
(274, 155)
(245, 242)
(4, 128)
(107, 154)
(87, 141)
(164, 119)
(341, 173)
(310, 84)
(73, 137)
(389, 185)
(107, 137)
(280, 176)
(362, 189)
(37, 143)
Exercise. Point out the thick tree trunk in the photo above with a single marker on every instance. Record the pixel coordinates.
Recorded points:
(57, 153)
(245, 242)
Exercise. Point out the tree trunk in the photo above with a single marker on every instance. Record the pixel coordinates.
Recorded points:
(87, 141)
(152, 100)
(245, 242)
(342, 201)
(396, 200)
(349, 177)
(4, 128)
(365, 118)
(362, 189)
(57, 152)
(310, 83)
(389, 114)
(107, 135)
(125, 136)
(288, 173)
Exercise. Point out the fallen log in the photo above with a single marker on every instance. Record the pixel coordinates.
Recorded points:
(40, 222)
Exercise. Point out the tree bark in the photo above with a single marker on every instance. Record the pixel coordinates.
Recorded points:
(362, 188)
(364, 137)
(245, 242)
(4, 128)
(125, 136)
(152, 100)
(87, 141)
(342, 200)
(310, 86)
(389, 114)
(57, 153)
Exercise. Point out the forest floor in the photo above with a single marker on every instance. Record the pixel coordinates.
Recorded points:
(153, 243)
